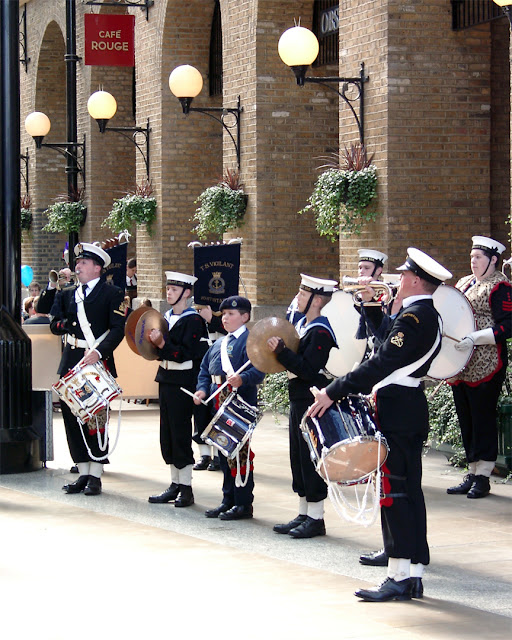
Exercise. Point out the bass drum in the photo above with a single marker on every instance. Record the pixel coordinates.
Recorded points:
(344, 320)
(458, 320)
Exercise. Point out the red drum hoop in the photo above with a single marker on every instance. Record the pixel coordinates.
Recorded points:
(344, 320)
(458, 319)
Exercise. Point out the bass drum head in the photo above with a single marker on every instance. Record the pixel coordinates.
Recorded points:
(458, 320)
(352, 460)
(344, 320)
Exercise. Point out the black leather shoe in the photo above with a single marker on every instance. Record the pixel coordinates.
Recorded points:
(93, 487)
(310, 528)
(237, 513)
(186, 497)
(286, 528)
(77, 486)
(464, 486)
(416, 588)
(375, 559)
(170, 494)
(214, 464)
(215, 513)
(388, 590)
(481, 487)
(74, 469)
(202, 464)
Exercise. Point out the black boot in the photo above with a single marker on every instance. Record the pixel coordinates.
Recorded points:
(375, 559)
(170, 494)
(186, 497)
(77, 486)
(203, 463)
(388, 590)
(93, 487)
(481, 487)
(286, 528)
(464, 486)
(310, 528)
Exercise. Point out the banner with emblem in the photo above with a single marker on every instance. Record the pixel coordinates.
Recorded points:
(217, 269)
(115, 273)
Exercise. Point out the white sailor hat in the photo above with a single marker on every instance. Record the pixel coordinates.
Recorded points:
(93, 252)
(317, 285)
(488, 244)
(425, 267)
(180, 279)
(370, 255)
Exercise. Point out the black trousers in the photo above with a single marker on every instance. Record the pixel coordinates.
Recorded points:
(305, 480)
(232, 495)
(176, 409)
(477, 414)
(202, 418)
(76, 444)
(402, 415)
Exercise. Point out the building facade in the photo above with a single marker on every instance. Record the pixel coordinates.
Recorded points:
(436, 118)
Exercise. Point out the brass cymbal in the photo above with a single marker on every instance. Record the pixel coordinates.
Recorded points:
(257, 349)
(148, 321)
(129, 327)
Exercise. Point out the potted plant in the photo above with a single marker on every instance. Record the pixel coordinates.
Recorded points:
(26, 215)
(67, 214)
(343, 195)
(136, 208)
(221, 207)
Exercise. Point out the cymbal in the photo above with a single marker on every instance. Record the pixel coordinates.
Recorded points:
(148, 321)
(129, 327)
(257, 349)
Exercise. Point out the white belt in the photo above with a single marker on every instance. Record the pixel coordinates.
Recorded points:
(176, 366)
(218, 379)
(82, 344)
(76, 342)
(408, 381)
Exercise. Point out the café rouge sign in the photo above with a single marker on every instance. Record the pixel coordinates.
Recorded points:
(109, 40)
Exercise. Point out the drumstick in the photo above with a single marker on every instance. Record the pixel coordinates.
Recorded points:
(244, 366)
(445, 335)
(190, 393)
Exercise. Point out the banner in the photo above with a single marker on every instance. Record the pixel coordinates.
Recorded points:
(109, 40)
(217, 269)
(115, 273)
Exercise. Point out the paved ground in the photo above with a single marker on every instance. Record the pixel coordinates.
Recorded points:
(115, 566)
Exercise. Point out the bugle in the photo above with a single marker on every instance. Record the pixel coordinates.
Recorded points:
(353, 286)
(60, 280)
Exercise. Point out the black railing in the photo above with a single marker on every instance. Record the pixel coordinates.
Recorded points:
(469, 13)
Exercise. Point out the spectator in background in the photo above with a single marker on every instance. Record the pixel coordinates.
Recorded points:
(36, 317)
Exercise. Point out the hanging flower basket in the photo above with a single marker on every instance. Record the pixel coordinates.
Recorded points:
(221, 207)
(343, 195)
(65, 217)
(133, 209)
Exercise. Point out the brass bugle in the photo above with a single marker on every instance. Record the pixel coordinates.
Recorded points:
(353, 286)
(59, 280)
(53, 277)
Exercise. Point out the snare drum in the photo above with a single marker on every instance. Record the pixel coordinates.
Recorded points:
(87, 390)
(343, 442)
(232, 425)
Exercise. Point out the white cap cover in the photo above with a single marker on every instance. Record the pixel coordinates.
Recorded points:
(425, 267)
(180, 279)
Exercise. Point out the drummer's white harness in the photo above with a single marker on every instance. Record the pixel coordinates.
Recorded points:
(92, 343)
(363, 509)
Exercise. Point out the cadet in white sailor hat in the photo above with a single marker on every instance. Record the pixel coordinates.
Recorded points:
(394, 373)
(306, 369)
(180, 355)
(90, 251)
(371, 263)
(478, 385)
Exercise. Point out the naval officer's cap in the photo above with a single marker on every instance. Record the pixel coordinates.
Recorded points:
(92, 252)
(239, 303)
(424, 267)
(371, 255)
(489, 245)
(318, 286)
(180, 279)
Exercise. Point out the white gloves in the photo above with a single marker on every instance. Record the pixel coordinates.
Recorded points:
(485, 336)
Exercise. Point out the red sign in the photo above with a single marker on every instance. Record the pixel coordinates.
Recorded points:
(109, 40)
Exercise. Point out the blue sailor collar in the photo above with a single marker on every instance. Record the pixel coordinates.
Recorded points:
(321, 321)
(188, 311)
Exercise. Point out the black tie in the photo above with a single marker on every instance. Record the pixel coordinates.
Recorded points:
(84, 290)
